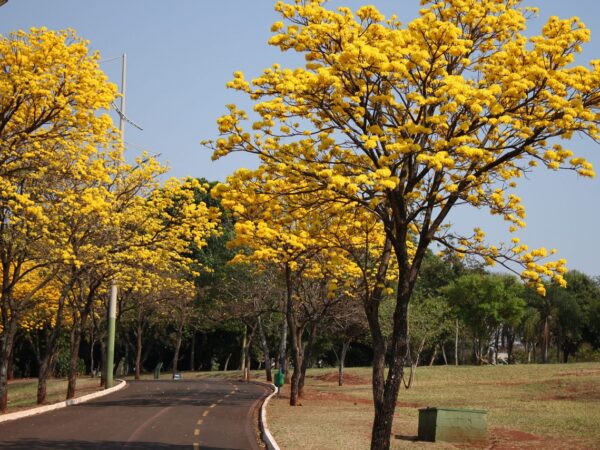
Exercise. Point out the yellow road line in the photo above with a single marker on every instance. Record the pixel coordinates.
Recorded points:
(196, 432)
(205, 413)
(196, 445)
(199, 422)
(213, 405)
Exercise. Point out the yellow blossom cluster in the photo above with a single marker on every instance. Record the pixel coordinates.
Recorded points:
(409, 122)
(73, 214)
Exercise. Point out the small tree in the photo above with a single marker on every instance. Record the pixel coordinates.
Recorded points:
(484, 302)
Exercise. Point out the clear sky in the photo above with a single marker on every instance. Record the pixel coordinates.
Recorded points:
(180, 54)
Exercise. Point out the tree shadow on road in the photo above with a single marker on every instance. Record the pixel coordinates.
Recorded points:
(44, 444)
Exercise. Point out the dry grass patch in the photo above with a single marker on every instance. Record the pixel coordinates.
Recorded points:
(22, 394)
(529, 406)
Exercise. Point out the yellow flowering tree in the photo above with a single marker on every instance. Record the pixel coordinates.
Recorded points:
(411, 122)
(51, 93)
(157, 264)
(276, 228)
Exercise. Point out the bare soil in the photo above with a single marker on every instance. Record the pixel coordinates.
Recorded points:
(349, 378)
(509, 439)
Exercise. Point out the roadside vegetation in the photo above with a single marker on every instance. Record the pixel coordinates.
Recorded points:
(336, 250)
(23, 392)
(529, 406)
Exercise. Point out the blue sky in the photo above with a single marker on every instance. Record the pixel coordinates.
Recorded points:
(181, 53)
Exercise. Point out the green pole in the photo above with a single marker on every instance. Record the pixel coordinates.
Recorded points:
(112, 307)
(112, 319)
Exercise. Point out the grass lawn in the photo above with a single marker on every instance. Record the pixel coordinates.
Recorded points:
(529, 406)
(22, 393)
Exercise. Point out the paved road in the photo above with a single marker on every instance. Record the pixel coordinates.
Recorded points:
(147, 415)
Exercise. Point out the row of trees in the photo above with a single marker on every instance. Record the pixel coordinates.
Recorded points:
(74, 215)
(364, 151)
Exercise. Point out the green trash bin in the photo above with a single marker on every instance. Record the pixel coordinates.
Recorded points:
(279, 379)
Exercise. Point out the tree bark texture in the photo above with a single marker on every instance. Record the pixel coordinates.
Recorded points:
(6, 343)
(138, 349)
(385, 393)
(307, 353)
(75, 342)
(265, 348)
(177, 347)
(282, 360)
(342, 362)
(456, 345)
(243, 350)
(295, 334)
(193, 352)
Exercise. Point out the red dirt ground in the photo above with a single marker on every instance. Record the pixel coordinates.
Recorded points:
(348, 378)
(510, 439)
(498, 438)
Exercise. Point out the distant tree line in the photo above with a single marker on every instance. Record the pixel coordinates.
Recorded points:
(236, 319)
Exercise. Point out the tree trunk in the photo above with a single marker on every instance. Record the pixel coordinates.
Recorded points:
(385, 399)
(265, 349)
(433, 355)
(378, 437)
(558, 346)
(177, 347)
(342, 362)
(247, 352)
(496, 343)
(193, 352)
(75, 342)
(307, 353)
(138, 350)
(282, 362)
(43, 374)
(371, 302)
(10, 371)
(226, 363)
(444, 353)
(45, 357)
(80, 317)
(51, 347)
(92, 346)
(456, 345)
(546, 340)
(510, 342)
(103, 362)
(295, 334)
(243, 356)
(6, 344)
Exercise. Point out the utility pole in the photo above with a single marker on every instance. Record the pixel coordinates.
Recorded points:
(112, 305)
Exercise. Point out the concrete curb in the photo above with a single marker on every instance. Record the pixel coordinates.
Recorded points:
(73, 401)
(262, 418)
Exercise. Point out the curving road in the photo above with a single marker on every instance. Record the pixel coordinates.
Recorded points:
(148, 415)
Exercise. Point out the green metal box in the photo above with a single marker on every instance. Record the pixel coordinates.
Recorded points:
(452, 425)
(279, 379)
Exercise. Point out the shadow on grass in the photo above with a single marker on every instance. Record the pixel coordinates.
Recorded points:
(402, 437)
